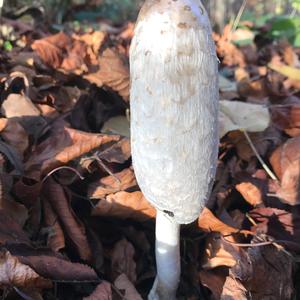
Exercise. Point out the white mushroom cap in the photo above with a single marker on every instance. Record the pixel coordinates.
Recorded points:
(174, 106)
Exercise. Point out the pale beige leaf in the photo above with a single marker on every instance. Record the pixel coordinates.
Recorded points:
(123, 284)
(235, 115)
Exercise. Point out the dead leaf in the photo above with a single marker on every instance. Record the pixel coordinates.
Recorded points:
(122, 283)
(219, 253)
(285, 161)
(214, 280)
(281, 225)
(10, 231)
(14, 134)
(122, 260)
(52, 266)
(51, 49)
(62, 146)
(119, 152)
(251, 192)
(110, 184)
(14, 273)
(209, 222)
(251, 117)
(102, 292)
(56, 238)
(125, 205)
(233, 289)
(113, 73)
(74, 229)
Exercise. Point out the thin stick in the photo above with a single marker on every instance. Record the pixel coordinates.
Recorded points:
(264, 165)
(239, 16)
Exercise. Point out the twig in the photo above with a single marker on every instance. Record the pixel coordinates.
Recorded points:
(62, 168)
(239, 16)
(264, 165)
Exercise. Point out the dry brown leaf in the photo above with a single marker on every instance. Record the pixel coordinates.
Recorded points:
(15, 274)
(209, 222)
(56, 238)
(14, 134)
(285, 161)
(119, 152)
(75, 61)
(102, 292)
(51, 265)
(51, 49)
(64, 145)
(10, 231)
(233, 289)
(279, 224)
(219, 253)
(74, 229)
(110, 184)
(125, 205)
(251, 192)
(255, 275)
(123, 284)
(122, 260)
(113, 73)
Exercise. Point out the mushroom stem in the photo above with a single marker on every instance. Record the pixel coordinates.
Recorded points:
(167, 250)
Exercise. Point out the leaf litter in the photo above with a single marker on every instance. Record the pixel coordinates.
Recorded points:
(74, 223)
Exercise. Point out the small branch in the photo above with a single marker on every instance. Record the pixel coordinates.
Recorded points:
(239, 16)
(264, 165)
(62, 168)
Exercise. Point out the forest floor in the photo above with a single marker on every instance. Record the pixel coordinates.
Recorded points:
(73, 222)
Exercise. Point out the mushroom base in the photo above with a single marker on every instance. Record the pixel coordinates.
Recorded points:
(167, 251)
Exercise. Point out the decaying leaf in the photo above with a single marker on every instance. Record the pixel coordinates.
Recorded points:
(112, 184)
(125, 205)
(123, 284)
(52, 265)
(281, 225)
(102, 291)
(14, 134)
(210, 223)
(55, 194)
(14, 273)
(64, 145)
(112, 73)
(285, 161)
(219, 253)
(250, 117)
(122, 260)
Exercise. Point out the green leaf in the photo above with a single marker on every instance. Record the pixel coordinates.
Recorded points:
(7, 46)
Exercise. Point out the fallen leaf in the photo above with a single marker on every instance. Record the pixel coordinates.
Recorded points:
(288, 71)
(62, 146)
(75, 230)
(102, 292)
(52, 266)
(14, 273)
(14, 134)
(51, 49)
(122, 283)
(285, 161)
(251, 117)
(125, 205)
(122, 260)
(56, 238)
(112, 184)
(113, 73)
(11, 232)
(219, 253)
(214, 280)
(279, 224)
(210, 223)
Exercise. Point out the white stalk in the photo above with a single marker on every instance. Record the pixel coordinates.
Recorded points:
(167, 250)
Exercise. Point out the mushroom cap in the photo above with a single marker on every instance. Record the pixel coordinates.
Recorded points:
(174, 106)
